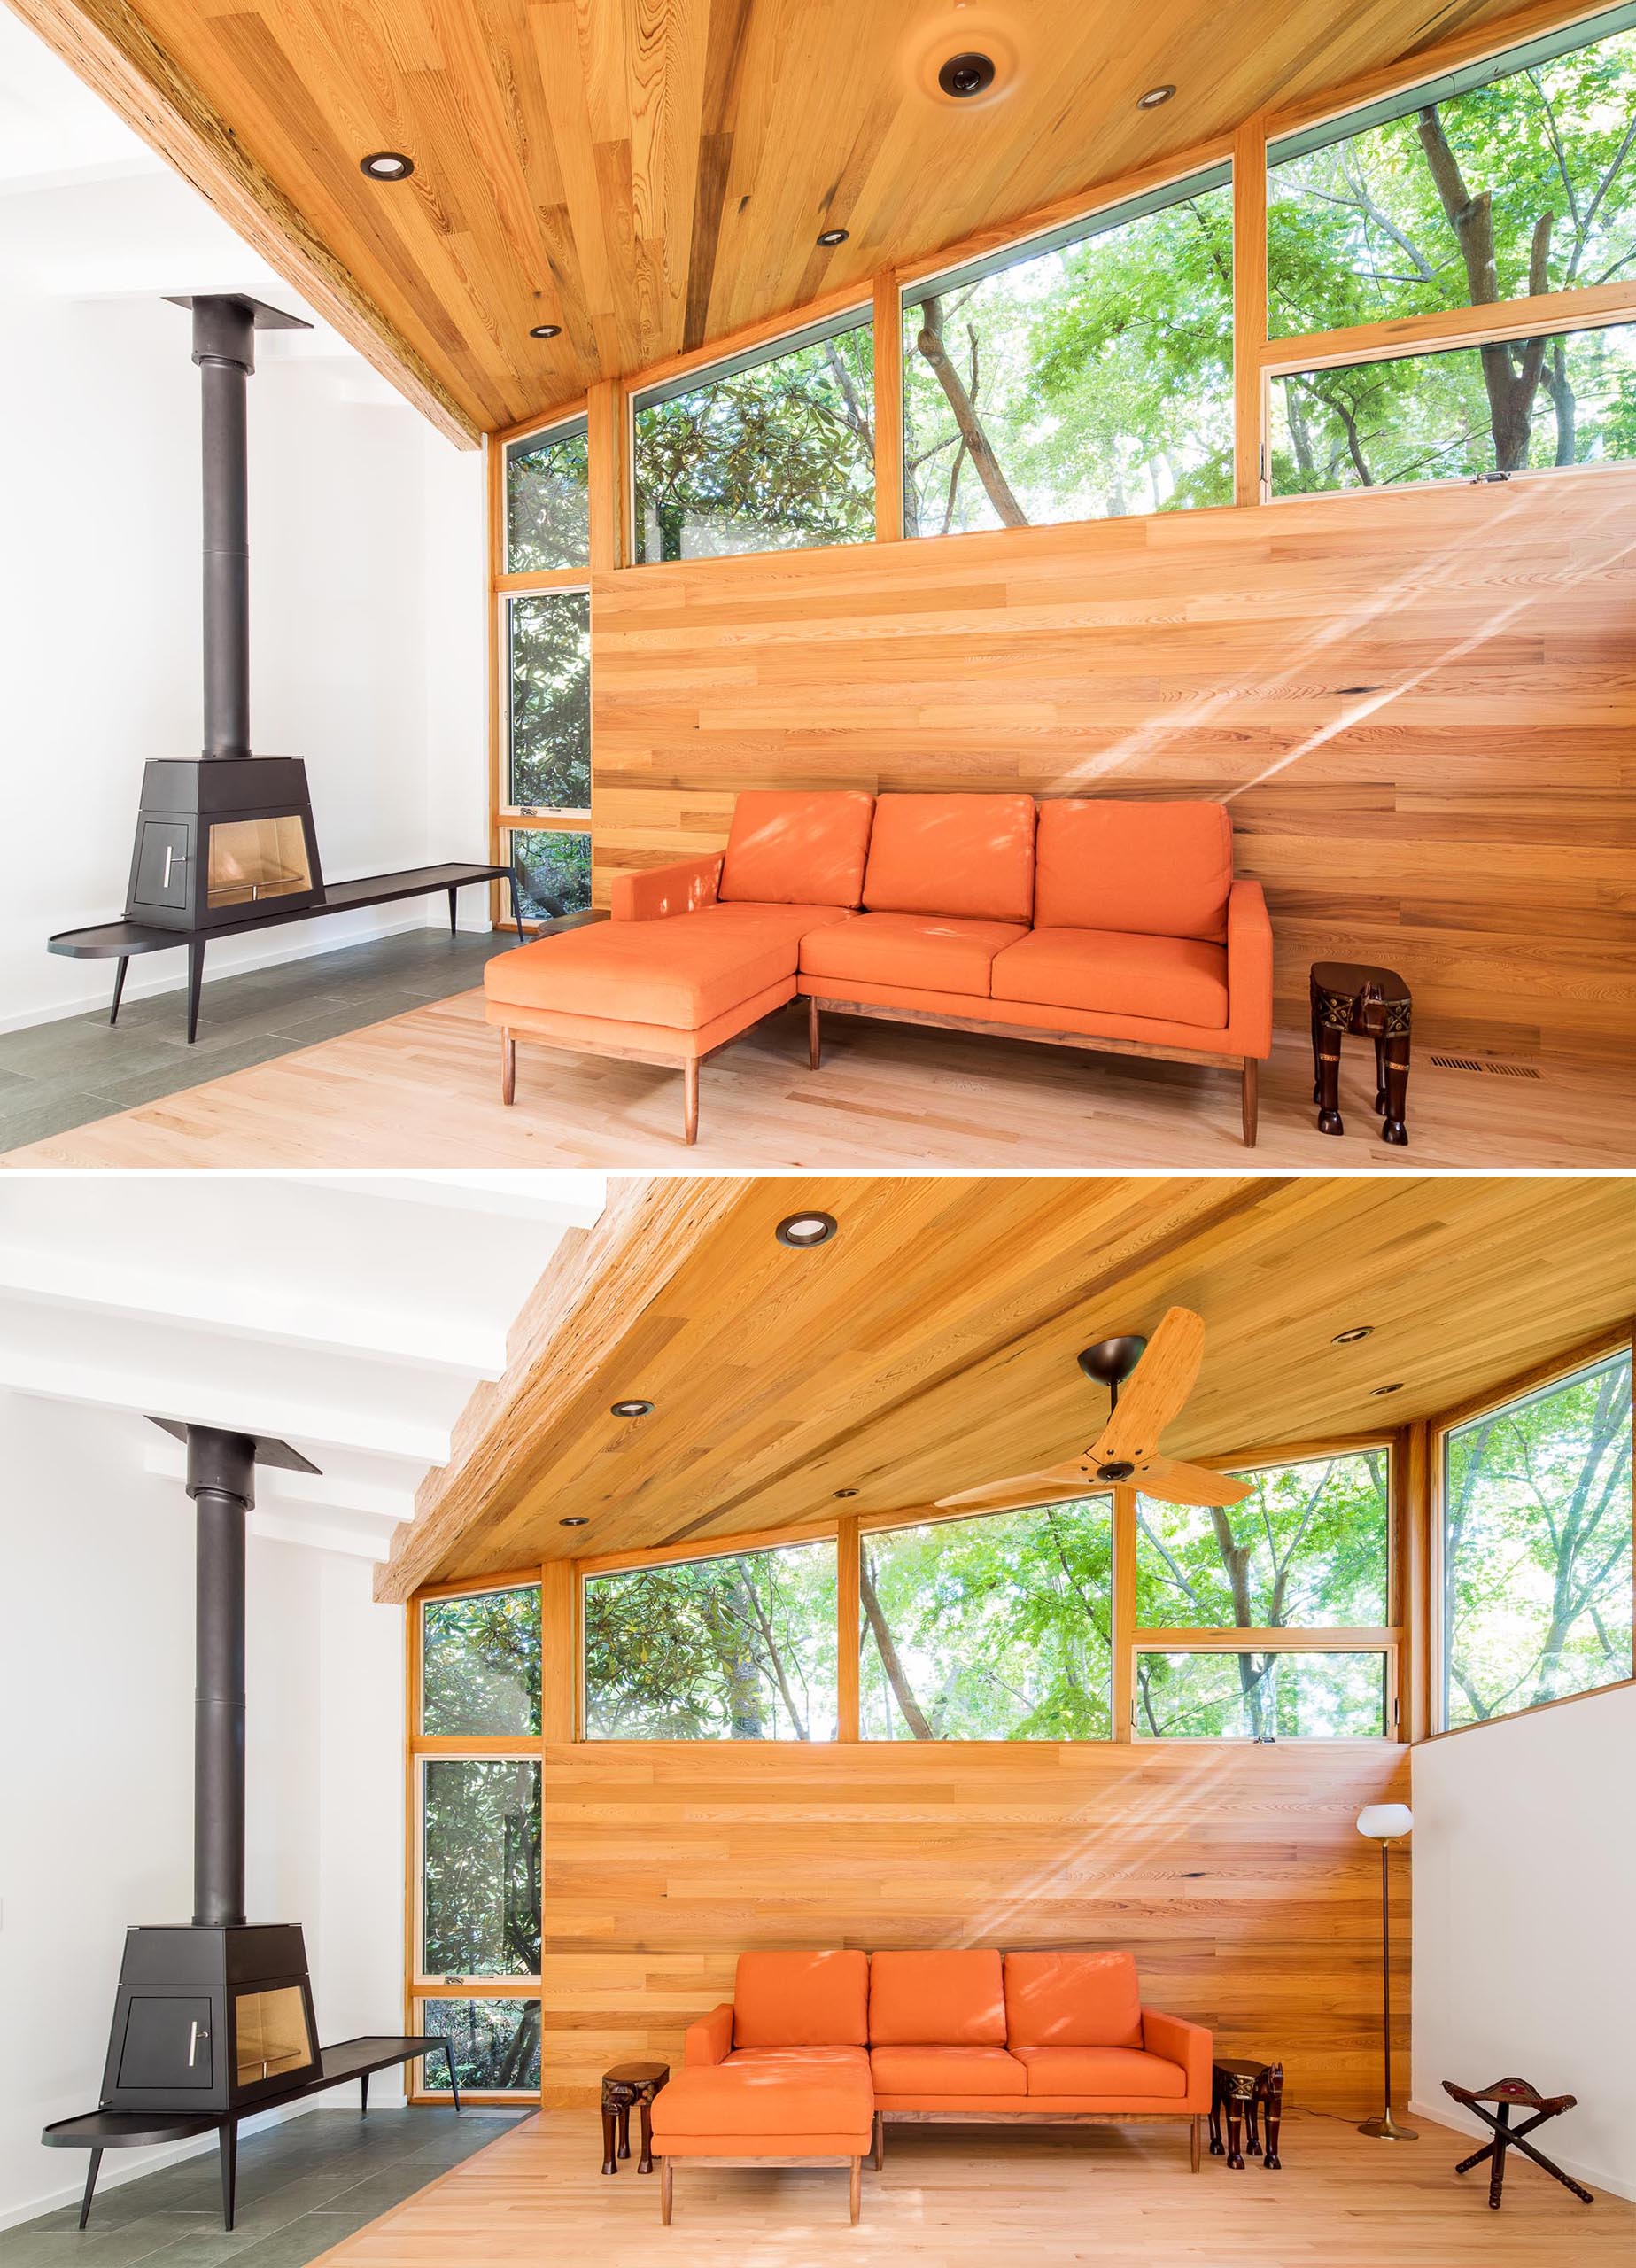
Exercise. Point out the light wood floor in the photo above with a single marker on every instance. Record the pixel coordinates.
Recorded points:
(423, 1089)
(972, 2197)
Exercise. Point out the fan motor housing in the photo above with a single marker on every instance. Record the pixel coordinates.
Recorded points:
(1111, 1361)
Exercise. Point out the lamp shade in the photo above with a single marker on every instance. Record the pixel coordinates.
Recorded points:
(1383, 1820)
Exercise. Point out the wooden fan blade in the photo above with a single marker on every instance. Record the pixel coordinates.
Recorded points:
(1188, 1484)
(1155, 1391)
(1056, 1483)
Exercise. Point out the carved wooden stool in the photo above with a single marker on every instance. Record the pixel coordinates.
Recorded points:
(625, 2084)
(1242, 2089)
(1374, 1003)
(1510, 2094)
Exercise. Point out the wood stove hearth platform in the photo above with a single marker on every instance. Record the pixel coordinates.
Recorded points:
(121, 940)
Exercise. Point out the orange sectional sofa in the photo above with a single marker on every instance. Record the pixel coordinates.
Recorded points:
(816, 2051)
(1089, 923)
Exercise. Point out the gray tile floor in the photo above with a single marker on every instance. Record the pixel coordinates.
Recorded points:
(302, 2187)
(65, 1074)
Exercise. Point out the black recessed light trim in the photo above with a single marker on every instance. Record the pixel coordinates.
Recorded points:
(966, 75)
(386, 165)
(830, 237)
(1350, 1338)
(1154, 97)
(635, 1407)
(846, 1492)
(805, 1232)
(546, 330)
(1395, 1387)
(575, 1520)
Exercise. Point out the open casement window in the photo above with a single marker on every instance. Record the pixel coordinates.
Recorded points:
(996, 1627)
(1535, 1557)
(1084, 375)
(739, 1646)
(1272, 1618)
(474, 1843)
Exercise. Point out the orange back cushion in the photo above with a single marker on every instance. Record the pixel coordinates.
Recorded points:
(1073, 1999)
(801, 1999)
(1157, 870)
(937, 1999)
(971, 856)
(787, 850)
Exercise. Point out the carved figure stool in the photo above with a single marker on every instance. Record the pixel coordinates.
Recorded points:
(625, 2085)
(1241, 2091)
(1374, 1003)
(1511, 2094)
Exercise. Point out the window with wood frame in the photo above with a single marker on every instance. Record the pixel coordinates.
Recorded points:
(1270, 1619)
(547, 499)
(1536, 1563)
(475, 1850)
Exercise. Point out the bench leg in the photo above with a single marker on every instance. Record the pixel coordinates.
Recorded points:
(1252, 1099)
(1197, 2124)
(229, 2168)
(665, 2191)
(196, 977)
(516, 910)
(363, 2096)
(451, 913)
(813, 1041)
(690, 1101)
(507, 1067)
(119, 987)
(90, 2171)
(448, 2057)
(857, 2186)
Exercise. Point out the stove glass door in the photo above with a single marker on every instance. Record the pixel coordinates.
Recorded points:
(252, 860)
(270, 2034)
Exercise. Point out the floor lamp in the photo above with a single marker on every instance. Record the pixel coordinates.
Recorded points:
(1383, 1823)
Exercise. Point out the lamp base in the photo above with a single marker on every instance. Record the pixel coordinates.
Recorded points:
(1387, 2129)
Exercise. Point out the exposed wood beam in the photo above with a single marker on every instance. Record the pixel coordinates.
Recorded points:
(105, 43)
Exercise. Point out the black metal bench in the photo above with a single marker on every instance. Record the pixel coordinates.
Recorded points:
(97, 2131)
(121, 940)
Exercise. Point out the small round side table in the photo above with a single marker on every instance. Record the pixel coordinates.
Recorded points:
(1347, 997)
(625, 2085)
(1238, 2089)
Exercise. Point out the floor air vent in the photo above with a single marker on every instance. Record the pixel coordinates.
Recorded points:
(1496, 1070)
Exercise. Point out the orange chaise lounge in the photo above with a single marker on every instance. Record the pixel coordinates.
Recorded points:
(1095, 923)
(816, 2051)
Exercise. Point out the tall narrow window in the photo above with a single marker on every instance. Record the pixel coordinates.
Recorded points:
(740, 1647)
(550, 654)
(993, 1628)
(1537, 1578)
(770, 452)
(547, 500)
(1082, 376)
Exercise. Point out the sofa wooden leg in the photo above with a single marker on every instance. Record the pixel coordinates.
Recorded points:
(814, 1044)
(1252, 1099)
(507, 1067)
(664, 2193)
(880, 2139)
(1197, 2143)
(858, 2188)
(690, 1101)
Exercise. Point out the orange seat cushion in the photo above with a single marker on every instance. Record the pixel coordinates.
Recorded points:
(951, 2000)
(1164, 869)
(1178, 980)
(797, 850)
(679, 972)
(1072, 1999)
(775, 2095)
(947, 2071)
(933, 956)
(968, 856)
(1125, 2073)
(801, 1999)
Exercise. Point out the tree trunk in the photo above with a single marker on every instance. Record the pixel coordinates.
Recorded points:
(978, 448)
(914, 1717)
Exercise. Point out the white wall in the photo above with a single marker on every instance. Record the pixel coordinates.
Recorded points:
(96, 1768)
(366, 545)
(1524, 1951)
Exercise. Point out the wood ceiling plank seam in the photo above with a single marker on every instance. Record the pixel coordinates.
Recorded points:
(559, 35)
(723, 61)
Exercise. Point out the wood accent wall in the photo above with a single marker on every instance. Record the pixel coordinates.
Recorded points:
(1236, 1874)
(1419, 705)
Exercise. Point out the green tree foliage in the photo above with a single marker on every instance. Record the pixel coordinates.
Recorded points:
(480, 1663)
(480, 1867)
(766, 459)
(548, 504)
(1537, 1546)
(496, 2045)
(551, 700)
(554, 872)
(1261, 1697)
(742, 1648)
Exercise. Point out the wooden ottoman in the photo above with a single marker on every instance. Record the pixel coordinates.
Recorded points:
(774, 2107)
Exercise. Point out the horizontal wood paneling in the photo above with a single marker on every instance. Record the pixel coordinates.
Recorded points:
(1420, 706)
(1236, 1876)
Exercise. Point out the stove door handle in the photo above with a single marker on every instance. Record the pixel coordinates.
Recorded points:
(192, 2043)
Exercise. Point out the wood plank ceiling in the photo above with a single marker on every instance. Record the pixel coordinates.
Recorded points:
(651, 174)
(931, 1344)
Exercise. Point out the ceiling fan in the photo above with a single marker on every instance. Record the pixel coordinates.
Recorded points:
(1160, 1371)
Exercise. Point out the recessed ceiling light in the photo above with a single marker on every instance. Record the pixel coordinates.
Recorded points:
(846, 1492)
(966, 75)
(830, 237)
(1397, 1387)
(634, 1407)
(802, 1231)
(1350, 1338)
(546, 330)
(1154, 97)
(575, 1520)
(386, 165)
